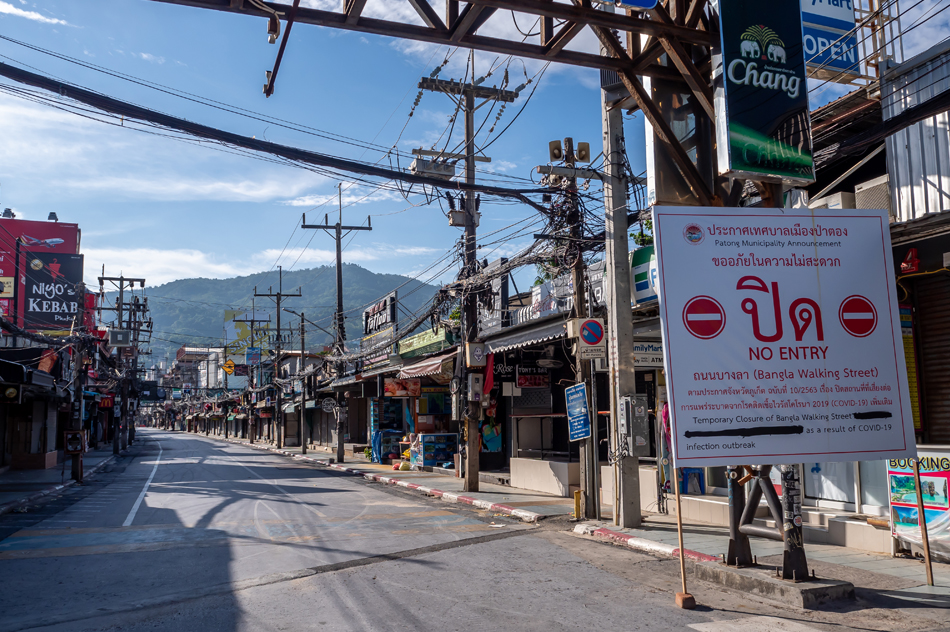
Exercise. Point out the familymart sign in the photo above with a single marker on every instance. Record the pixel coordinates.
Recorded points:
(762, 124)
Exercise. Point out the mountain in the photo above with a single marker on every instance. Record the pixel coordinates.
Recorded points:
(191, 311)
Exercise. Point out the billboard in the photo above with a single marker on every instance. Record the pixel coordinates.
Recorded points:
(237, 332)
(781, 336)
(831, 45)
(53, 294)
(763, 129)
(902, 491)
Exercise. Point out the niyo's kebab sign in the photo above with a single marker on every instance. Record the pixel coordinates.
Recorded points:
(781, 336)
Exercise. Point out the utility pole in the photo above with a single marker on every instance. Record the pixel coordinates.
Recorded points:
(252, 422)
(280, 295)
(468, 92)
(588, 446)
(121, 282)
(620, 355)
(303, 393)
(338, 234)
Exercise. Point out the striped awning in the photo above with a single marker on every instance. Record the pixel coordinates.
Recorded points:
(528, 336)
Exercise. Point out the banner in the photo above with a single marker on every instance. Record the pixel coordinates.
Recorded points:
(53, 295)
(781, 336)
(763, 128)
(935, 484)
(237, 332)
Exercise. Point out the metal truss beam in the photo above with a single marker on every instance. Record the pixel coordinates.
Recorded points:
(459, 31)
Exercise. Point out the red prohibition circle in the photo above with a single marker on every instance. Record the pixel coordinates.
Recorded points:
(858, 316)
(704, 317)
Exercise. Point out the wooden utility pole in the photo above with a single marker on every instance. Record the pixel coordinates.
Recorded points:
(278, 297)
(468, 92)
(338, 234)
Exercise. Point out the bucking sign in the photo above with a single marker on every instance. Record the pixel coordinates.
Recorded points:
(781, 336)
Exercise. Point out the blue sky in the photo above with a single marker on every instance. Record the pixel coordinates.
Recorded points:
(163, 209)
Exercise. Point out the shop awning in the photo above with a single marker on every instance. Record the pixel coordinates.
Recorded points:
(381, 370)
(232, 417)
(348, 380)
(527, 336)
(429, 366)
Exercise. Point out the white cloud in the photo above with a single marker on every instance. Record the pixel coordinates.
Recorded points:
(175, 188)
(155, 59)
(79, 156)
(9, 9)
(350, 198)
(160, 266)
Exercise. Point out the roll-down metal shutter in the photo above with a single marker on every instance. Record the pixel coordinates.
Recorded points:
(933, 316)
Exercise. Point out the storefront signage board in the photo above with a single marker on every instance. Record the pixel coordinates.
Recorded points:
(781, 336)
(830, 44)
(935, 483)
(532, 377)
(578, 415)
(402, 387)
(53, 296)
(763, 127)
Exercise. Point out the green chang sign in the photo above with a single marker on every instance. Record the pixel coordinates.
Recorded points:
(763, 128)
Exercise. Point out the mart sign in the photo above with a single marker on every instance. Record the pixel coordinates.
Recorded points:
(781, 336)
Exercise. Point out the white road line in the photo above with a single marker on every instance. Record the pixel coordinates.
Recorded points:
(138, 501)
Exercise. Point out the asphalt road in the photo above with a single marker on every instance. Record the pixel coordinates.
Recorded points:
(186, 533)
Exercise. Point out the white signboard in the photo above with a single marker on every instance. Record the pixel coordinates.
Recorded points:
(781, 336)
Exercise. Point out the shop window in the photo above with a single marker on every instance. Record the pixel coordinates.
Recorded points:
(874, 483)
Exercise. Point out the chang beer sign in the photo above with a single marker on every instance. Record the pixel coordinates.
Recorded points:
(763, 128)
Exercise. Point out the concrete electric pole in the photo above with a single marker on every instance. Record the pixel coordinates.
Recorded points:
(338, 234)
(468, 92)
(278, 297)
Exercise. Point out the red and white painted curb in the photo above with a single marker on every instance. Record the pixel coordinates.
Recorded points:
(652, 547)
(13, 504)
(525, 516)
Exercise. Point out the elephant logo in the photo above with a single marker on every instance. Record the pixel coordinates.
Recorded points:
(749, 49)
(759, 38)
(775, 53)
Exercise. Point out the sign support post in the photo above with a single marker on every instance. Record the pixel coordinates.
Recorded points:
(922, 519)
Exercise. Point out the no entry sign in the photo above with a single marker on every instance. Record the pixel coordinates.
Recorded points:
(704, 317)
(782, 338)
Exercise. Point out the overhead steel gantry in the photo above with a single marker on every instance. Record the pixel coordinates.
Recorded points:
(676, 28)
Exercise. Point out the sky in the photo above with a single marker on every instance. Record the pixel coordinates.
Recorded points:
(163, 209)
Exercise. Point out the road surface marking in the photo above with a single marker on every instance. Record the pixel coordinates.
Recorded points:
(138, 501)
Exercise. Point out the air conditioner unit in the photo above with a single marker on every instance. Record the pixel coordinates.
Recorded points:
(120, 338)
(432, 168)
(834, 201)
(875, 194)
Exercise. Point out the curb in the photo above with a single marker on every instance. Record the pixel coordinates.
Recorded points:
(13, 504)
(523, 515)
(652, 547)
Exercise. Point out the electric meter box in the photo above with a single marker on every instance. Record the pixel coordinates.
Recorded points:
(634, 424)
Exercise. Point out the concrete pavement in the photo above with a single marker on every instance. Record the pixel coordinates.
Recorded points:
(21, 486)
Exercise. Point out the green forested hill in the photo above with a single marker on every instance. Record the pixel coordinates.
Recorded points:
(191, 311)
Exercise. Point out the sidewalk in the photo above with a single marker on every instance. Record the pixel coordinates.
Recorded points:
(526, 505)
(22, 486)
(900, 578)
